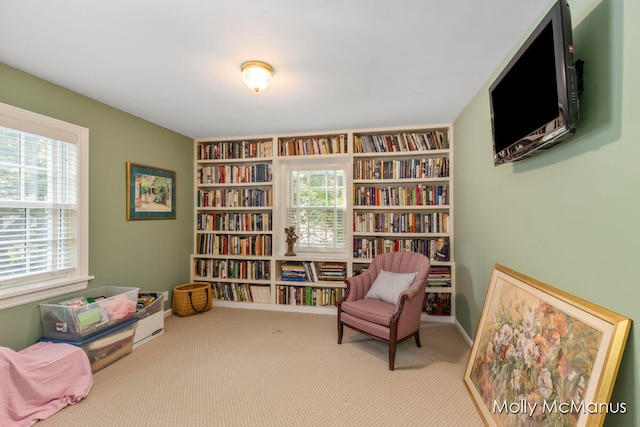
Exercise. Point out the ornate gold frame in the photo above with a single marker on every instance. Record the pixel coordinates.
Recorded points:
(544, 356)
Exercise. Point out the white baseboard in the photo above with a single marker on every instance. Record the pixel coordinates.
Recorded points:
(463, 333)
(424, 317)
(322, 310)
(275, 307)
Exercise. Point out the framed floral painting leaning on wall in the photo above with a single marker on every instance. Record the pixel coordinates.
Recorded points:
(542, 356)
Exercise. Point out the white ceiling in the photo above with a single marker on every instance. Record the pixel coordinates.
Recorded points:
(339, 64)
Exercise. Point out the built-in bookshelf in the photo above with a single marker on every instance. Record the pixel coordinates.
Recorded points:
(309, 145)
(399, 199)
(233, 243)
(309, 282)
(438, 304)
(402, 202)
(438, 298)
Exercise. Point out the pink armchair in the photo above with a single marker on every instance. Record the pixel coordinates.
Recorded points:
(385, 301)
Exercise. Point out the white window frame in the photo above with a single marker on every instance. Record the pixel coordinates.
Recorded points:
(314, 163)
(23, 292)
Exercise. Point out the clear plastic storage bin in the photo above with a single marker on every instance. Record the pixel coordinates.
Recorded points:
(79, 316)
(108, 346)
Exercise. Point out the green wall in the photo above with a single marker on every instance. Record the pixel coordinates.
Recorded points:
(568, 216)
(151, 255)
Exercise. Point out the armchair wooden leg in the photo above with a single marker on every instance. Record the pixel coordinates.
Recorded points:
(393, 342)
(417, 337)
(392, 355)
(340, 330)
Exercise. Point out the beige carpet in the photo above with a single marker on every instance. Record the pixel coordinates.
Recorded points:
(234, 367)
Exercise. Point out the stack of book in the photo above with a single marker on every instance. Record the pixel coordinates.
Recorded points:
(293, 271)
(439, 275)
(333, 271)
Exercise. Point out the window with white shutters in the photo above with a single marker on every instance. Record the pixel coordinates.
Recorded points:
(43, 207)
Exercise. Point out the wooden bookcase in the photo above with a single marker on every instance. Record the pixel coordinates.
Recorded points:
(400, 196)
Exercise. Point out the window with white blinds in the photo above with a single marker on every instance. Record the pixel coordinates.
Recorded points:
(43, 209)
(38, 205)
(317, 207)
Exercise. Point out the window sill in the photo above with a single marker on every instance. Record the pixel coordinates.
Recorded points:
(15, 296)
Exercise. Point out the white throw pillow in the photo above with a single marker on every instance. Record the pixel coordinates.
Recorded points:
(388, 286)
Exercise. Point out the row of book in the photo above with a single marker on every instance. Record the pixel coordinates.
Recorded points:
(306, 271)
(335, 144)
(235, 174)
(437, 304)
(234, 221)
(419, 195)
(406, 141)
(221, 244)
(401, 168)
(232, 269)
(402, 222)
(235, 197)
(439, 276)
(333, 272)
(435, 249)
(381, 143)
(222, 150)
(309, 296)
(241, 292)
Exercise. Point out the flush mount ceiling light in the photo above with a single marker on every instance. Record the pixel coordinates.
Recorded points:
(256, 75)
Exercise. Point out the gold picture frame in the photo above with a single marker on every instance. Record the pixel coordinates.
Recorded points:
(542, 356)
(151, 192)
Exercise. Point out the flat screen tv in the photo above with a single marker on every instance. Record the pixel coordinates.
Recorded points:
(534, 100)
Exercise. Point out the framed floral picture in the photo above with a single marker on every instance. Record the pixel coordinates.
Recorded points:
(151, 192)
(542, 356)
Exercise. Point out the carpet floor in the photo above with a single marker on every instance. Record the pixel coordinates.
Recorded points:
(235, 367)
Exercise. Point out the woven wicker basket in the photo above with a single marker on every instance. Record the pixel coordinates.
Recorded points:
(191, 298)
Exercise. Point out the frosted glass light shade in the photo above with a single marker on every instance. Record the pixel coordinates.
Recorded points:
(256, 75)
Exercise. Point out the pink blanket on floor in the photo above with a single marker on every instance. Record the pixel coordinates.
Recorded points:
(41, 380)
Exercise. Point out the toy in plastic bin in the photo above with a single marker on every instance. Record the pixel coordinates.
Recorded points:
(88, 316)
(144, 300)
